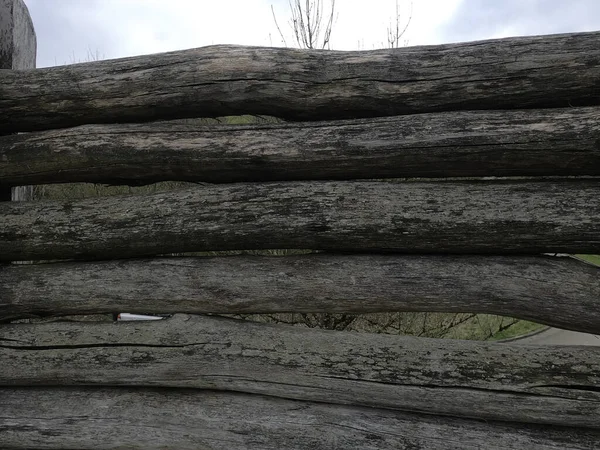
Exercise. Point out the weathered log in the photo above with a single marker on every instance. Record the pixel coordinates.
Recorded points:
(533, 384)
(18, 43)
(474, 143)
(514, 73)
(92, 418)
(559, 292)
(414, 217)
(17, 51)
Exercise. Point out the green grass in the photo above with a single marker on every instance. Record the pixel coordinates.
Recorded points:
(520, 328)
(489, 327)
(594, 259)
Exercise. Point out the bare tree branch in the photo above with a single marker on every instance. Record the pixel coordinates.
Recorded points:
(394, 33)
(308, 23)
(277, 25)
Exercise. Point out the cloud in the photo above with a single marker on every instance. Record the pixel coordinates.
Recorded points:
(67, 31)
(71, 31)
(485, 19)
(363, 25)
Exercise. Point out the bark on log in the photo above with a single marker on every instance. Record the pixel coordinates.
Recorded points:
(559, 292)
(474, 143)
(524, 72)
(411, 217)
(17, 51)
(532, 384)
(98, 418)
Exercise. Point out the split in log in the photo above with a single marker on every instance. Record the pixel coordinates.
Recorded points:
(411, 217)
(560, 292)
(530, 384)
(91, 418)
(513, 73)
(551, 142)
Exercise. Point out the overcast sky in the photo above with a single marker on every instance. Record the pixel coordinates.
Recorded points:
(71, 31)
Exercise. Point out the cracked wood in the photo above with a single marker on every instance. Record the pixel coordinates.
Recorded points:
(473, 143)
(549, 385)
(412, 217)
(523, 72)
(559, 292)
(88, 417)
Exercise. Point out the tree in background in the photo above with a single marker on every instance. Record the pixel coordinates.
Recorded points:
(395, 32)
(310, 22)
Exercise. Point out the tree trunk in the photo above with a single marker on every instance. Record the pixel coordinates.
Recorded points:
(559, 292)
(411, 217)
(514, 73)
(93, 418)
(547, 385)
(456, 144)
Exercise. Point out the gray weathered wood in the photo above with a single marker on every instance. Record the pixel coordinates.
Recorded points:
(559, 292)
(423, 217)
(17, 36)
(100, 418)
(17, 51)
(473, 143)
(524, 72)
(551, 385)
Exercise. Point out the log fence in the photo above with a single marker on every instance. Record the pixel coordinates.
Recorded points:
(432, 178)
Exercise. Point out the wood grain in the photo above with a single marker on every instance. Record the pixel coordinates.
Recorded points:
(411, 217)
(109, 418)
(513, 73)
(17, 51)
(559, 292)
(550, 142)
(551, 385)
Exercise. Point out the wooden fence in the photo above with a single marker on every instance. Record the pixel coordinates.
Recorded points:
(371, 193)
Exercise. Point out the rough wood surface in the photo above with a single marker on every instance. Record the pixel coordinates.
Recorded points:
(422, 217)
(473, 143)
(98, 418)
(560, 292)
(551, 385)
(18, 42)
(524, 72)
(17, 51)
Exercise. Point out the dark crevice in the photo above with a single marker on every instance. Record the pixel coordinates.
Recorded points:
(575, 387)
(77, 346)
(525, 393)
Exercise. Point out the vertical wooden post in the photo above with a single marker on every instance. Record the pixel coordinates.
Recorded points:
(17, 51)
(18, 47)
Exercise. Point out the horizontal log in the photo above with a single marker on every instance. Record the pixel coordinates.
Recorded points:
(91, 418)
(513, 73)
(414, 217)
(548, 142)
(560, 292)
(532, 384)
